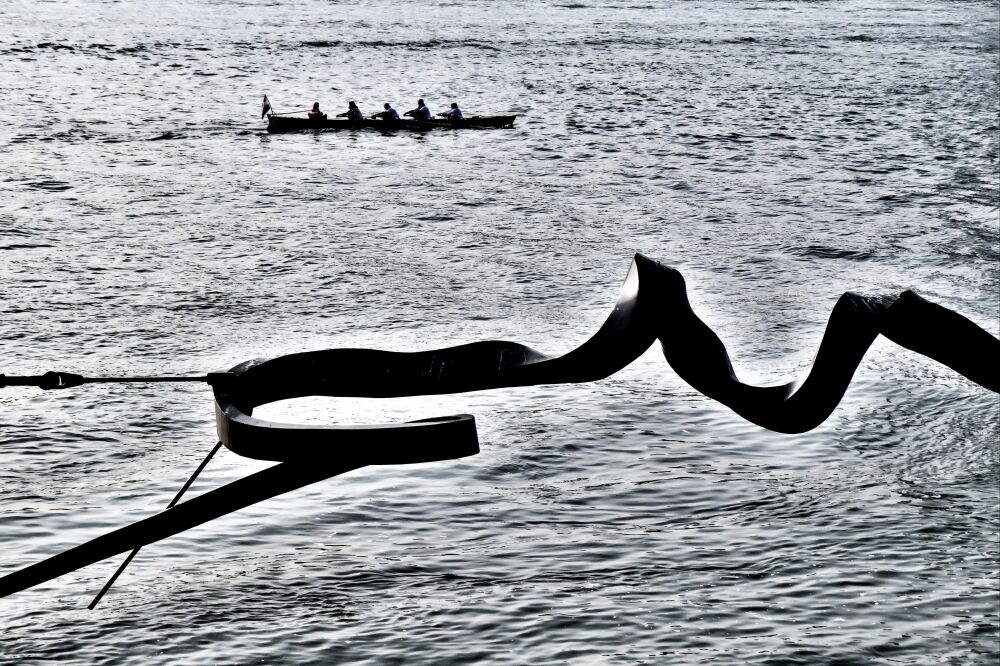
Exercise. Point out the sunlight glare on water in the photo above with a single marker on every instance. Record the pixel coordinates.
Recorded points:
(777, 153)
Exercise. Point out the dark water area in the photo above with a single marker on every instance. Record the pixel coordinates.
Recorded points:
(777, 153)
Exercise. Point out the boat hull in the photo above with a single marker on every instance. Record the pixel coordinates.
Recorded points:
(280, 124)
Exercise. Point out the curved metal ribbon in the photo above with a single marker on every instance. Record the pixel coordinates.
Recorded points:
(653, 305)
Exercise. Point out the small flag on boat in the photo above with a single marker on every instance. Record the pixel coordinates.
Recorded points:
(265, 107)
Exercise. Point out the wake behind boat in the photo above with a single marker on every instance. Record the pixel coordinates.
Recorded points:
(278, 123)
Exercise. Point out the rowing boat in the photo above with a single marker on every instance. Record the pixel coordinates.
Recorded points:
(277, 124)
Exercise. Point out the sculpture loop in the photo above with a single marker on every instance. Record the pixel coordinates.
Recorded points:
(653, 305)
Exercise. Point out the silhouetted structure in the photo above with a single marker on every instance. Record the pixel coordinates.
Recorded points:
(653, 305)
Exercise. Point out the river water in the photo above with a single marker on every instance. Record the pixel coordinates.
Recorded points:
(777, 153)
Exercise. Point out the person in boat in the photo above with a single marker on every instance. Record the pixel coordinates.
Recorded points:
(453, 114)
(352, 113)
(315, 113)
(389, 113)
(421, 112)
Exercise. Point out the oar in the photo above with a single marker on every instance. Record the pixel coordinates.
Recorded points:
(180, 493)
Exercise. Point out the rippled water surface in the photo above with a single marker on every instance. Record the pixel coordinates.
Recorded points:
(778, 153)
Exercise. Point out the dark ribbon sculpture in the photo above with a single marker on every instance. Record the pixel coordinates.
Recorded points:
(653, 305)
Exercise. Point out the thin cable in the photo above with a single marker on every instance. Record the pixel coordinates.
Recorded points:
(180, 493)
